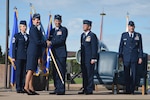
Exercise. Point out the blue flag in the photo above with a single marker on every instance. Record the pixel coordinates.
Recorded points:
(14, 31)
(30, 21)
(49, 28)
(47, 63)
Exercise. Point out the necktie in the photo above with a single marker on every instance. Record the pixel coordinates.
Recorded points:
(39, 27)
(84, 36)
(131, 35)
(25, 37)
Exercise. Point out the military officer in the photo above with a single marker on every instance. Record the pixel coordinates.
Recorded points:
(58, 36)
(89, 52)
(34, 52)
(20, 44)
(131, 52)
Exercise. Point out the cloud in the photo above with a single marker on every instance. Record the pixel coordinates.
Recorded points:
(50, 4)
(145, 28)
(74, 26)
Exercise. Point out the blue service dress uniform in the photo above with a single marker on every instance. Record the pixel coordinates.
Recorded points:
(34, 51)
(58, 39)
(130, 50)
(19, 53)
(89, 51)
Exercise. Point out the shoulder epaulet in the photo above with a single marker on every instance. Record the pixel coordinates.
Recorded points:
(124, 33)
(17, 34)
(137, 32)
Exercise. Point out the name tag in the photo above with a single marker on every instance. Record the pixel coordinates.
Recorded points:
(20, 39)
(124, 39)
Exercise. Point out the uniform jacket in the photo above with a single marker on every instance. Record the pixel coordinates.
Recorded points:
(58, 40)
(89, 47)
(20, 46)
(131, 49)
(36, 42)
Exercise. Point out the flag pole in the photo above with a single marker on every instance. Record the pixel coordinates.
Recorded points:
(7, 34)
(30, 8)
(56, 66)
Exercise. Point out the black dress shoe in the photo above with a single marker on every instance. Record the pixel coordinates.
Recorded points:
(34, 93)
(89, 93)
(127, 92)
(28, 92)
(18, 91)
(52, 93)
(132, 93)
(22, 91)
(60, 93)
(81, 92)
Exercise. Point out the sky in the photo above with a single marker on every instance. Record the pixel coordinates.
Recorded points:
(75, 11)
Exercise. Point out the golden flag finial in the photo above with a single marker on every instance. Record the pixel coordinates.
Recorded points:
(127, 15)
(34, 9)
(30, 8)
(15, 9)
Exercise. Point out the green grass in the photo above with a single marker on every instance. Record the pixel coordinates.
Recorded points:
(77, 81)
(51, 81)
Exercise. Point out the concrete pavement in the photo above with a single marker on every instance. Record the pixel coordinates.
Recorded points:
(71, 95)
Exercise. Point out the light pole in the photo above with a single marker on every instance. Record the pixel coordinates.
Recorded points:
(101, 28)
(127, 21)
(6, 50)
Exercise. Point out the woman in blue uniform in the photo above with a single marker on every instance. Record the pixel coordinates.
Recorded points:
(34, 52)
(19, 52)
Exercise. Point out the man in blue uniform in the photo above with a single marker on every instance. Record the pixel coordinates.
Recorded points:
(20, 44)
(131, 52)
(58, 36)
(89, 52)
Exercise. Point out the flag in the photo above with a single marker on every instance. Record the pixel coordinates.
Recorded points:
(47, 63)
(49, 28)
(43, 32)
(14, 31)
(30, 21)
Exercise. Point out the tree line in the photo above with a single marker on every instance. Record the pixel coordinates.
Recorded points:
(2, 56)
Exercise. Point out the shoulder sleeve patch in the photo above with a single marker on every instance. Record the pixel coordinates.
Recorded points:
(13, 40)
